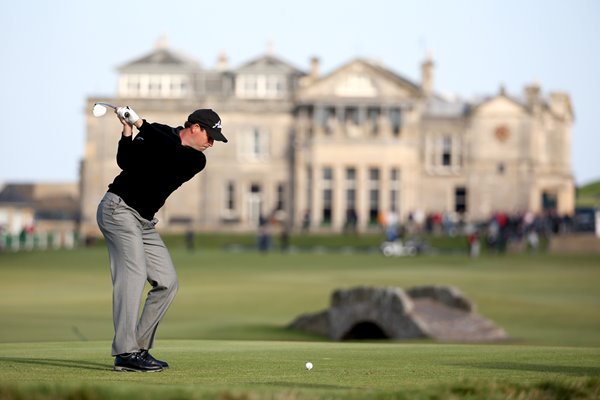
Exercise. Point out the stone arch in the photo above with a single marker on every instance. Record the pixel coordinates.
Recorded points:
(365, 330)
(438, 312)
(386, 308)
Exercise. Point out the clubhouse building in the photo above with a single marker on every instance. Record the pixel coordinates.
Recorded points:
(319, 150)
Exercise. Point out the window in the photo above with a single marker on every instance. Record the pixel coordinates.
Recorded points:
(373, 117)
(394, 189)
(280, 196)
(307, 117)
(500, 168)
(352, 120)
(130, 86)
(246, 86)
(350, 188)
(351, 115)
(250, 86)
(443, 153)
(327, 185)
(328, 119)
(395, 120)
(373, 195)
(460, 199)
(328, 176)
(549, 201)
(230, 197)
(374, 174)
(327, 205)
(309, 188)
(155, 86)
(254, 144)
(230, 215)
(260, 86)
(146, 85)
(446, 151)
(275, 86)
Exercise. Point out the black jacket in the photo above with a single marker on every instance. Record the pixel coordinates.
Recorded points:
(154, 164)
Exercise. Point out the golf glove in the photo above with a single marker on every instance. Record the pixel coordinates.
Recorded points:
(128, 114)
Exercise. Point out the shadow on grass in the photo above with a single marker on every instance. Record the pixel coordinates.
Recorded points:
(77, 364)
(288, 385)
(261, 332)
(560, 369)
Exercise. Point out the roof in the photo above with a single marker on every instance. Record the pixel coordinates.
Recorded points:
(269, 61)
(17, 193)
(519, 101)
(378, 69)
(388, 72)
(47, 199)
(439, 107)
(162, 57)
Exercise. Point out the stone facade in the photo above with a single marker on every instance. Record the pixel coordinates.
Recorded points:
(361, 138)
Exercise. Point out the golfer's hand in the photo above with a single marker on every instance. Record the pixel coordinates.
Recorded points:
(128, 115)
(127, 127)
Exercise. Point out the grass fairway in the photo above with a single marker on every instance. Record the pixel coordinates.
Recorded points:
(225, 334)
(275, 369)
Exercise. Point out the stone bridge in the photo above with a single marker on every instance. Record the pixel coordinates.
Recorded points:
(437, 312)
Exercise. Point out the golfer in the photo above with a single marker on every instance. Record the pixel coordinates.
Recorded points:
(154, 164)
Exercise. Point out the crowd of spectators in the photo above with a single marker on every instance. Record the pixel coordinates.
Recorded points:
(500, 232)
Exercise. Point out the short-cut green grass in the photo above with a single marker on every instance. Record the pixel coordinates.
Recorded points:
(275, 369)
(226, 337)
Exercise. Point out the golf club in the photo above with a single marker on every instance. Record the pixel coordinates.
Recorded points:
(99, 109)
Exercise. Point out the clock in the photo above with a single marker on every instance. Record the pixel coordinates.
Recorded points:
(502, 133)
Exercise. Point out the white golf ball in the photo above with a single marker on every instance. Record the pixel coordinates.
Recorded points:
(308, 365)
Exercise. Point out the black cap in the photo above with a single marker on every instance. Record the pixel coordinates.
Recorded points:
(209, 120)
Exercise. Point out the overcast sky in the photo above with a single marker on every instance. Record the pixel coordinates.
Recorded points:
(57, 53)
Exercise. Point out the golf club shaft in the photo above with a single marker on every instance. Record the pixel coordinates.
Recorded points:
(126, 114)
(108, 105)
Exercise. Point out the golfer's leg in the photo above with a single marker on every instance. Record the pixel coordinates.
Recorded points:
(123, 235)
(163, 278)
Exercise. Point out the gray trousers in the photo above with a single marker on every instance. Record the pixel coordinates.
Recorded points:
(137, 254)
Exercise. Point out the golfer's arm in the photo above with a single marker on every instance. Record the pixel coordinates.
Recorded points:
(124, 152)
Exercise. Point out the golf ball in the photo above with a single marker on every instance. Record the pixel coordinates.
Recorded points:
(308, 365)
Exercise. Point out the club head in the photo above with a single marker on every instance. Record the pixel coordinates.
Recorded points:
(98, 110)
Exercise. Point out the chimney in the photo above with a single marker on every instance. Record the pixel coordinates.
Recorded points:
(427, 76)
(162, 42)
(532, 95)
(270, 48)
(314, 68)
(502, 90)
(223, 61)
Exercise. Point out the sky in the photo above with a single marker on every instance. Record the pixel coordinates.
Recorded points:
(55, 54)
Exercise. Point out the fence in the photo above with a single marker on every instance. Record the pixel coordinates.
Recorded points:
(37, 241)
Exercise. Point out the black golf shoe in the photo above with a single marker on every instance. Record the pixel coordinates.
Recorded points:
(135, 362)
(148, 357)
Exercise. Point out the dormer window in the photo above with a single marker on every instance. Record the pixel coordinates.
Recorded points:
(256, 86)
(154, 86)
